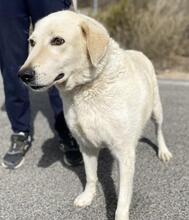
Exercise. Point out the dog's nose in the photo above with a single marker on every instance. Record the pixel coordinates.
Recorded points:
(27, 75)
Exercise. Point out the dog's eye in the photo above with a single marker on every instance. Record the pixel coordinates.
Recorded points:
(32, 42)
(57, 41)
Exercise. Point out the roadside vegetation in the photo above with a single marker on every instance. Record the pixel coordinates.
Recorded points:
(159, 28)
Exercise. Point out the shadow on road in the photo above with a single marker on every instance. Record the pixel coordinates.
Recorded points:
(150, 143)
(3, 107)
(40, 103)
(108, 186)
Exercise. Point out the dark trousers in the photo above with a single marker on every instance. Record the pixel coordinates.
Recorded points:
(15, 18)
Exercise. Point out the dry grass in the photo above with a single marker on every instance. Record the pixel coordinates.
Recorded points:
(156, 27)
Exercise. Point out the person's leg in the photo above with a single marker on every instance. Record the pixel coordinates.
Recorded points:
(42, 8)
(14, 23)
(68, 145)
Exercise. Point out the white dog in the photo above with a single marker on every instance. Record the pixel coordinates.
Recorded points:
(109, 94)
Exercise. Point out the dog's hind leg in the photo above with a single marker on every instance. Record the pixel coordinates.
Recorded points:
(157, 116)
(90, 157)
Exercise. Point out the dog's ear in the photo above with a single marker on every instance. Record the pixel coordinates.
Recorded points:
(97, 39)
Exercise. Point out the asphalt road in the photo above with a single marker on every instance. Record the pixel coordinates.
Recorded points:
(43, 189)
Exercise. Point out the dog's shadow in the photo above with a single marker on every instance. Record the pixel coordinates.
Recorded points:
(150, 143)
(2, 108)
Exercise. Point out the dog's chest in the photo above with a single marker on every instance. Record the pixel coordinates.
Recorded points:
(86, 122)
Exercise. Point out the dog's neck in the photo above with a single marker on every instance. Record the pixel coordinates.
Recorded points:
(105, 71)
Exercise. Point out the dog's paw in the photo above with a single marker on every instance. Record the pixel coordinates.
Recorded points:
(121, 215)
(165, 155)
(121, 218)
(84, 199)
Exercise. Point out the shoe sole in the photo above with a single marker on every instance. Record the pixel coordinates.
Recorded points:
(11, 167)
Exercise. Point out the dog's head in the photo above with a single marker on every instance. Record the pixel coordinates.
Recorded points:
(64, 49)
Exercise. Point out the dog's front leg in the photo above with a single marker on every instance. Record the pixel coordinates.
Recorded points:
(126, 161)
(90, 157)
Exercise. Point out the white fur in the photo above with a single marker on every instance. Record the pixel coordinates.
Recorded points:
(105, 105)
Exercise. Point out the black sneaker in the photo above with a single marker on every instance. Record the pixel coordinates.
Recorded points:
(72, 155)
(14, 158)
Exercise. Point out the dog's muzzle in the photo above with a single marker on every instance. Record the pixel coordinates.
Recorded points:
(28, 77)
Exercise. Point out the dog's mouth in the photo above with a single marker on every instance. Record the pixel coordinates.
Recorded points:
(36, 87)
(59, 77)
